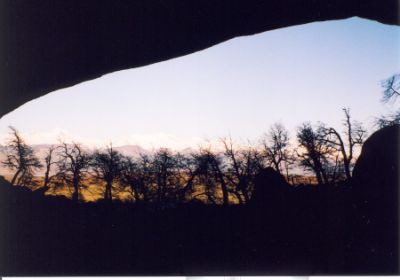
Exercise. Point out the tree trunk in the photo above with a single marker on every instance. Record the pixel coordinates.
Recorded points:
(15, 177)
(243, 187)
(135, 192)
(46, 178)
(318, 170)
(347, 169)
(75, 195)
(326, 181)
(20, 178)
(225, 195)
(238, 196)
(245, 195)
(319, 177)
(277, 166)
(107, 193)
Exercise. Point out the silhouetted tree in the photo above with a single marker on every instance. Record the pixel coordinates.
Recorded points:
(276, 149)
(107, 166)
(354, 135)
(186, 174)
(21, 158)
(243, 165)
(210, 169)
(162, 165)
(205, 176)
(145, 179)
(171, 176)
(139, 176)
(312, 151)
(388, 120)
(73, 167)
(391, 88)
(391, 91)
(49, 162)
(130, 176)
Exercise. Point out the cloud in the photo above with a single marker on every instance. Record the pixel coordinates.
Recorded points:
(162, 140)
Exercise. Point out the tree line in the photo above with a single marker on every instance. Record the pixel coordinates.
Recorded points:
(213, 176)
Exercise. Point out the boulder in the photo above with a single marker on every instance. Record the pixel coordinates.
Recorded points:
(270, 189)
(376, 203)
(377, 169)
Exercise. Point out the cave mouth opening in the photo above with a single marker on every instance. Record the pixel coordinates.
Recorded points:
(51, 46)
(238, 88)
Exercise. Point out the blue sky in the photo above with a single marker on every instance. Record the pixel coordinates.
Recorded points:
(238, 88)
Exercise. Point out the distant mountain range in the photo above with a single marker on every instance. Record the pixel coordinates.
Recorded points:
(127, 150)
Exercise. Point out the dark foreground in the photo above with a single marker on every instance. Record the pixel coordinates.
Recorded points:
(352, 229)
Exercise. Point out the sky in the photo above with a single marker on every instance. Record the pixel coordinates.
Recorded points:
(238, 88)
